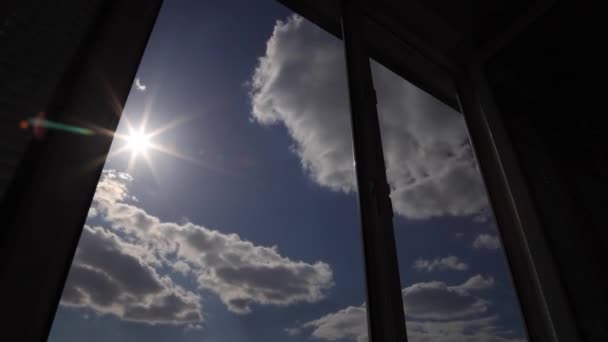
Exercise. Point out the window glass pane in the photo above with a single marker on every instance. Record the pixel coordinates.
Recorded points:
(455, 281)
(226, 210)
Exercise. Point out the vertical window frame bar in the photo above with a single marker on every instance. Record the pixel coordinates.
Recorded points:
(385, 314)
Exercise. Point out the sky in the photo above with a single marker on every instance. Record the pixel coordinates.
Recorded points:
(240, 221)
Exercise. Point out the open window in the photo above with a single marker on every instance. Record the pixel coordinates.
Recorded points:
(226, 209)
(257, 153)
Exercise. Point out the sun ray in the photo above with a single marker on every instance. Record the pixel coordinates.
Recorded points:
(95, 162)
(131, 163)
(128, 123)
(171, 125)
(171, 152)
(151, 168)
(141, 143)
(194, 161)
(115, 103)
(118, 151)
(148, 109)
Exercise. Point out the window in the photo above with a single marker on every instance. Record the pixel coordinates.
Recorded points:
(455, 281)
(227, 208)
(228, 187)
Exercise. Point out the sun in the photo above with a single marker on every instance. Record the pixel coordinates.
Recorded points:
(138, 141)
(142, 143)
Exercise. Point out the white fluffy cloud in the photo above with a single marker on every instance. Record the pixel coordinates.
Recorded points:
(486, 241)
(137, 245)
(434, 310)
(140, 86)
(112, 276)
(301, 83)
(448, 263)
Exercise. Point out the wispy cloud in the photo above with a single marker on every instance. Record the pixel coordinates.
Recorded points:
(435, 312)
(139, 86)
(486, 241)
(448, 263)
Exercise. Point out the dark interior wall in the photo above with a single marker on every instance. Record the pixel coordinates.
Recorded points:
(58, 57)
(38, 42)
(540, 83)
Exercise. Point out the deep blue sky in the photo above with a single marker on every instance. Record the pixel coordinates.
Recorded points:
(197, 64)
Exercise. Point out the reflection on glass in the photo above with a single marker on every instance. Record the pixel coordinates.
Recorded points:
(220, 206)
(456, 285)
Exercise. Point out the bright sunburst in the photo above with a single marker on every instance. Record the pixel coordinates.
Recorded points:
(141, 142)
(138, 141)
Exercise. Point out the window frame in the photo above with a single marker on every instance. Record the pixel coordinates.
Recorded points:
(46, 204)
(542, 298)
(539, 289)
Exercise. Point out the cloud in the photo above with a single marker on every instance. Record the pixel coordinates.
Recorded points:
(484, 329)
(478, 282)
(437, 300)
(349, 323)
(91, 213)
(433, 321)
(293, 331)
(111, 276)
(238, 271)
(301, 84)
(139, 86)
(447, 263)
(486, 241)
